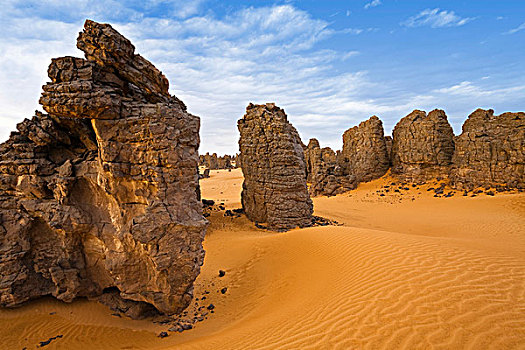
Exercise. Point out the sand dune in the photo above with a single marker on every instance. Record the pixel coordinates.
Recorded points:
(404, 271)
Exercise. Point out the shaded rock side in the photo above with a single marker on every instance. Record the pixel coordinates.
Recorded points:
(325, 176)
(388, 143)
(490, 151)
(422, 146)
(100, 194)
(274, 189)
(364, 152)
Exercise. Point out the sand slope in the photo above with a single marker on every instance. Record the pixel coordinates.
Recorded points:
(401, 273)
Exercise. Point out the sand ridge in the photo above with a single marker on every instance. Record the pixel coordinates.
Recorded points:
(401, 273)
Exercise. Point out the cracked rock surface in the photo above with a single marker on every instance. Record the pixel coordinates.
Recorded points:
(490, 151)
(274, 191)
(422, 146)
(98, 197)
(364, 150)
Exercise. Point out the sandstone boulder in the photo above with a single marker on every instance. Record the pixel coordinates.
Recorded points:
(274, 189)
(422, 146)
(490, 151)
(101, 194)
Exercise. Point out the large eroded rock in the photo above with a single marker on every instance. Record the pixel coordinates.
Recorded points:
(364, 152)
(100, 194)
(490, 151)
(422, 146)
(274, 189)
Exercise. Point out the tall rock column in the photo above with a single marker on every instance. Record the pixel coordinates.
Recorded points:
(422, 146)
(490, 151)
(273, 163)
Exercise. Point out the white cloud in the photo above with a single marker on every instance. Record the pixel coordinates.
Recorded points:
(517, 29)
(435, 18)
(349, 54)
(218, 65)
(113, 10)
(469, 90)
(372, 3)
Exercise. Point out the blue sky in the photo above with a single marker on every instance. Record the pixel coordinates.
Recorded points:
(329, 64)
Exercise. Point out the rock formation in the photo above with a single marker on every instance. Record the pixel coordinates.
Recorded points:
(388, 143)
(364, 151)
(422, 146)
(100, 194)
(274, 189)
(237, 160)
(490, 151)
(214, 162)
(224, 162)
(325, 175)
(210, 161)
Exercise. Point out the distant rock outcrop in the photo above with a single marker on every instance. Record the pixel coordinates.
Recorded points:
(100, 194)
(422, 146)
(325, 175)
(237, 160)
(364, 151)
(490, 151)
(274, 189)
(214, 162)
(210, 161)
(224, 162)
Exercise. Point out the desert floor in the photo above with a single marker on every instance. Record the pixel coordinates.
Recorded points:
(405, 270)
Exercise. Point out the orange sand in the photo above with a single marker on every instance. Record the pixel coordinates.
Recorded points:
(404, 271)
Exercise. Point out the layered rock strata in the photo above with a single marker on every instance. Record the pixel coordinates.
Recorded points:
(423, 145)
(490, 151)
(273, 163)
(100, 194)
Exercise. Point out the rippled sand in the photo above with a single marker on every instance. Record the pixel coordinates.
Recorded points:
(405, 270)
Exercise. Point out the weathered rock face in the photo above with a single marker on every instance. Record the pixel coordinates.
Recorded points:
(274, 189)
(325, 175)
(490, 151)
(101, 193)
(422, 146)
(210, 161)
(236, 161)
(364, 151)
(313, 158)
(224, 162)
(388, 143)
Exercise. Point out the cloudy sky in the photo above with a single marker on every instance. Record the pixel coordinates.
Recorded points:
(329, 64)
